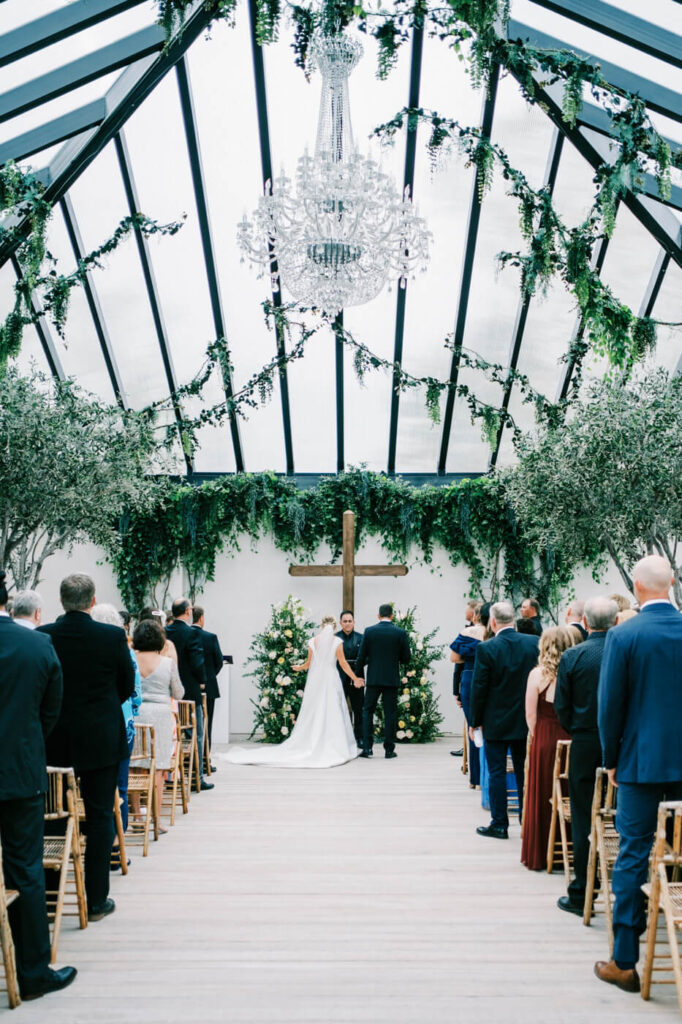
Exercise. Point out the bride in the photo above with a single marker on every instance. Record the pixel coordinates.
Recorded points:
(323, 735)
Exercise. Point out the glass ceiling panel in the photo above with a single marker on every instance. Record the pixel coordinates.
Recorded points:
(669, 307)
(312, 393)
(19, 12)
(55, 108)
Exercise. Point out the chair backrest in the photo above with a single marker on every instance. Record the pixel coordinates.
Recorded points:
(604, 800)
(59, 798)
(668, 842)
(144, 746)
(562, 759)
(187, 714)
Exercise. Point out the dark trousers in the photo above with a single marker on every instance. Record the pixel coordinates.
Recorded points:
(496, 756)
(586, 757)
(466, 679)
(98, 789)
(389, 699)
(355, 695)
(210, 708)
(636, 824)
(122, 783)
(21, 833)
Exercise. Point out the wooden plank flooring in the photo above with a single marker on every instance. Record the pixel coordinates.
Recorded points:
(357, 894)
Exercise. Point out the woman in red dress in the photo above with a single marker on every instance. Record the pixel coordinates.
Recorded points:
(544, 731)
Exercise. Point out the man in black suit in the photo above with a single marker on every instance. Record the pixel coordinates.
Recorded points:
(351, 648)
(575, 703)
(530, 609)
(574, 617)
(498, 693)
(30, 698)
(90, 734)
(191, 668)
(384, 648)
(213, 664)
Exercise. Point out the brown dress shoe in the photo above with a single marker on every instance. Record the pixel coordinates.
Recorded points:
(610, 972)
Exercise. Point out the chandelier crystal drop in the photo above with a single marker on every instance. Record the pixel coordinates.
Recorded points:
(344, 230)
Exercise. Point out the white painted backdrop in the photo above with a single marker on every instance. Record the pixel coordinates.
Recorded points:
(238, 603)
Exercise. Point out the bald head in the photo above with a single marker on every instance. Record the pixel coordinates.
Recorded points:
(652, 578)
(600, 614)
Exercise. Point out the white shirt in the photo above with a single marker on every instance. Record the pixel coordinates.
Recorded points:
(26, 623)
(5, 614)
(654, 600)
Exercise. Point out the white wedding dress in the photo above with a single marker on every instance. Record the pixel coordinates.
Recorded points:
(323, 735)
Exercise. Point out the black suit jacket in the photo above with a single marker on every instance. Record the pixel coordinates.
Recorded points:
(383, 650)
(351, 649)
(577, 685)
(498, 689)
(191, 664)
(213, 660)
(98, 677)
(30, 699)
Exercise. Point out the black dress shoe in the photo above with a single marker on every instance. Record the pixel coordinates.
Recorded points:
(213, 769)
(366, 753)
(206, 785)
(53, 982)
(565, 903)
(494, 831)
(103, 910)
(456, 753)
(390, 753)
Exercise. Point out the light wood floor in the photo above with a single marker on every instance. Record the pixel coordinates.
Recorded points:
(358, 894)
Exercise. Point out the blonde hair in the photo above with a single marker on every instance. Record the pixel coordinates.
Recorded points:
(328, 620)
(622, 602)
(553, 642)
(627, 613)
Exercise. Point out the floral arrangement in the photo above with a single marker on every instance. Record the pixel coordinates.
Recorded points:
(273, 654)
(418, 711)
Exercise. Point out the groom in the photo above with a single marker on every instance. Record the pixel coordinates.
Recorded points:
(384, 648)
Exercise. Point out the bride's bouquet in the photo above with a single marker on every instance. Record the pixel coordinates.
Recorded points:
(274, 652)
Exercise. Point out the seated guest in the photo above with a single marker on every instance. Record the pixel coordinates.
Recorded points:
(463, 652)
(191, 668)
(575, 703)
(30, 698)
(90, 734)
(160, 683)
(544, 731)
(27, 608)
(130, 708)
(530, 609)
(574, 617)
(213, 664)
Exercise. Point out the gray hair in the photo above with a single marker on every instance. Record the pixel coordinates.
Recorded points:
(108, 614)
(76, 592)
(577, 607)
(601, 613)
(26, 603)
(502, 612)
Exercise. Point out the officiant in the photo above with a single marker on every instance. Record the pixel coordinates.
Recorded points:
(355, 696)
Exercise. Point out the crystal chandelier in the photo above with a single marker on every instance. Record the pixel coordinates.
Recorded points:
(344, 230)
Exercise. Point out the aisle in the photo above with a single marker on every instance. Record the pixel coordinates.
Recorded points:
(358, 894)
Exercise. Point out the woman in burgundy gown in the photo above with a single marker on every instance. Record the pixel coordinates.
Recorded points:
(544, 731)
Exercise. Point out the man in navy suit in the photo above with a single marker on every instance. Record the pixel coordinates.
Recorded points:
(383, 649)
(640, 724)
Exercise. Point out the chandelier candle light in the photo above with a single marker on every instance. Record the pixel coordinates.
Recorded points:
(344, 231)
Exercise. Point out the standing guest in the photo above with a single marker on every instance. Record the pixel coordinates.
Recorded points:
(355, 696)
(27, 608)
(213, 664)
(623, 603)
(168, 616)
(530, 609)
(459, 666)
(191, 668)
(90, 734)
(108, 614)
(526, 626)
(575, 703)
(640, 724)
(627, 613)
(384, 648)
(463, 652)
(545, 731)
(30, 698)
(501, 671)
(574, 617)
(161, 617)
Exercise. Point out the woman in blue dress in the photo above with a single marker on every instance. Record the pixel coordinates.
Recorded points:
(463, 649)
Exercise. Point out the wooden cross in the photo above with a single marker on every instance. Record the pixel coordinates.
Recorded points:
(348, 570)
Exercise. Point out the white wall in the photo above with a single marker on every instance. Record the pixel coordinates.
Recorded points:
(247, 583)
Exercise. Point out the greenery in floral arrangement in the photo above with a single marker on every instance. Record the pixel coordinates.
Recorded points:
(418, 711)
(274, 652)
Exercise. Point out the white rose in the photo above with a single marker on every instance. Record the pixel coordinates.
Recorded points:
(275, 634)
(285, 730)
(420, 645)
(400, 734)
(286, 680)
(265, 703)
(409, 734)
(299, 693)
(404, 699)
(272, 655)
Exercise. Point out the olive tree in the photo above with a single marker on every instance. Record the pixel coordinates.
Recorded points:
(608, 482)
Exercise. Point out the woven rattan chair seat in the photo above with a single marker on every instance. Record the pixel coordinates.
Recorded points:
(53, 851)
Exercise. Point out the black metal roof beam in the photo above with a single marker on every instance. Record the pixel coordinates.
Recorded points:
(65, 127)
(304, 481)
(194, 151)
(124, 96)
(657, 97)
(152, 290)
(266, 166)
(524, 301)
(43, 329)
(649, 185)
(94, 306)
(340, 425)
(57, 25)
(655, 284)
(467, 273)
(613, 21)
(408, 183)
(79, 72)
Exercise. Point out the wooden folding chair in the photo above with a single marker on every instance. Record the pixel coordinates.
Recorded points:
(63, 853)
(604, 845)
(665, 896)
(141, 781)
(190, 754)
(174, 789)
(7, 897)
(465, 748)
(206, 754)
(561, 810)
